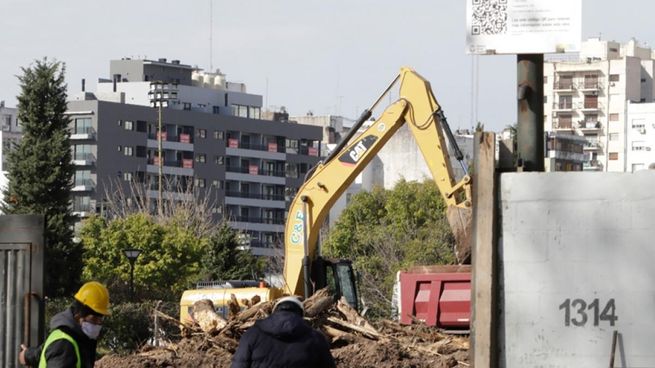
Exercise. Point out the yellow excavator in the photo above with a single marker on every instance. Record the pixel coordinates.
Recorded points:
(304, 269)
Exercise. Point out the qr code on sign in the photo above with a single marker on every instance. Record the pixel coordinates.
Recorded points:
(489, 17)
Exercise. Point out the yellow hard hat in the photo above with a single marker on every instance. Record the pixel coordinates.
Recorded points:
(95, 296)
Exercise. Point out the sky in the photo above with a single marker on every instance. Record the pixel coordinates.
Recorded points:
(328, 57)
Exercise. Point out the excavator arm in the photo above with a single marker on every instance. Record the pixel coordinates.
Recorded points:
(416, 106)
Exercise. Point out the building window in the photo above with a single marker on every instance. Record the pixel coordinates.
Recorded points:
(240, 111)
(202, 133)
(200, 183)
(218, 160)
(82, 126)
(120, 123)
(218, 209)
(141, 151)
(291, 170)
(216, 183)
(219, 134)
(545, 99)
(614, 137)
(120, 148)
(614, 117)
(186, 106)
(127, 176)
(141, 126)
(565, 102)
(545, 79)
(82, 177)
(216, 109)
(614, 77)
(127, 150)
(254, 112)
(129, 125)
(614, 156)
(201, 157)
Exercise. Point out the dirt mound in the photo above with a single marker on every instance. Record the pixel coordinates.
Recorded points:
(355, 342)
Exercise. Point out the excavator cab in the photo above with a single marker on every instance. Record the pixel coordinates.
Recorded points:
(338, 276)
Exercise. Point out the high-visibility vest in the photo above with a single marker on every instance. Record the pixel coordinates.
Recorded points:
(58, 335)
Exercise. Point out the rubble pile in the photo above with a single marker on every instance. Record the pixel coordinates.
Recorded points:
(211, 341)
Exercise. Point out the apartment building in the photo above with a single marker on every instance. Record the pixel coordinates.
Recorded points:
(212, 141)
(565, 152)
(332, 125)
(589, 97)
(10, 134)
(640, 137)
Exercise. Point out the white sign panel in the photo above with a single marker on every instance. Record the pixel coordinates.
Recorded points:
(577, 257)
(523, 26)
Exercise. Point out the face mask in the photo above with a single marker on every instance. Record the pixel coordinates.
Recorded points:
(91, 330)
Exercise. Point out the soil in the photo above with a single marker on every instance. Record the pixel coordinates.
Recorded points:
(197, 352)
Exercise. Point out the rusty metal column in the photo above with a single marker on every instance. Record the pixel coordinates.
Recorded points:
(530, 129)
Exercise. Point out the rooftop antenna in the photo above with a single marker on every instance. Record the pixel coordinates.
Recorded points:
(211, 43)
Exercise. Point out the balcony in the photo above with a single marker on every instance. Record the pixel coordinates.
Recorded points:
(562, 125)
(590, 127)
(86, 133)
(84, 159)
(83, 185)
(183, 163)
(567, 86)
(264, 244)
(588, 106)
(260, 220)
(269, 147)
(592, 146)
(590, 86)
(82, 209)
(267, 197)
(254, 170)
(593, 165)
(563, 106)
(165, 137)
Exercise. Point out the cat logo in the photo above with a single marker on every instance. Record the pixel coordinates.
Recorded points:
(353, 155)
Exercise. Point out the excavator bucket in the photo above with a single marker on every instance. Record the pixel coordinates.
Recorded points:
(460, 220)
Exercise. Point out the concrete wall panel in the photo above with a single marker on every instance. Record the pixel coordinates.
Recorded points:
(575, 245)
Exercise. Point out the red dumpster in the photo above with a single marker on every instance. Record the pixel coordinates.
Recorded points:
(437, 295)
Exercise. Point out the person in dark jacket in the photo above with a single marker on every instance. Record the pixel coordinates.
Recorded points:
(73, 332)
(283, 339)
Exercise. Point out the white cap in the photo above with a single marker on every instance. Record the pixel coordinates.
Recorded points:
(290, 299)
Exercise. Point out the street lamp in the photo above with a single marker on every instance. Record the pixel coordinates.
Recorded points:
(132, 254)
(160, 94)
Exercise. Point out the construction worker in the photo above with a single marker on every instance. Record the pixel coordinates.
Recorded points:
(283, 339)
(74, 332)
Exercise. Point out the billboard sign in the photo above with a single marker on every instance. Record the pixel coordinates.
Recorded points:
(523, 26)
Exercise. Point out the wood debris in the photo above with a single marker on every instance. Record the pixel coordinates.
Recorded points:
(355, 340)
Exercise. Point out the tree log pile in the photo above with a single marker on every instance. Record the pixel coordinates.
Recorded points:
(211, 340)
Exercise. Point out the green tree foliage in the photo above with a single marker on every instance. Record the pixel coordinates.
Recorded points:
(384, 231)
(173, 256)
(170, 260)
(226, 261)
(40, 171)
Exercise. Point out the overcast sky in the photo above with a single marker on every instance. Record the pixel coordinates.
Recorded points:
(330, 56)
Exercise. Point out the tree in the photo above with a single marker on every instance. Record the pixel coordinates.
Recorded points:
(384, 231)
(170, 259)
(226, 261)
(40, 171)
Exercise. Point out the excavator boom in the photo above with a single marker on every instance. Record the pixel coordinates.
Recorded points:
(418, 108)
